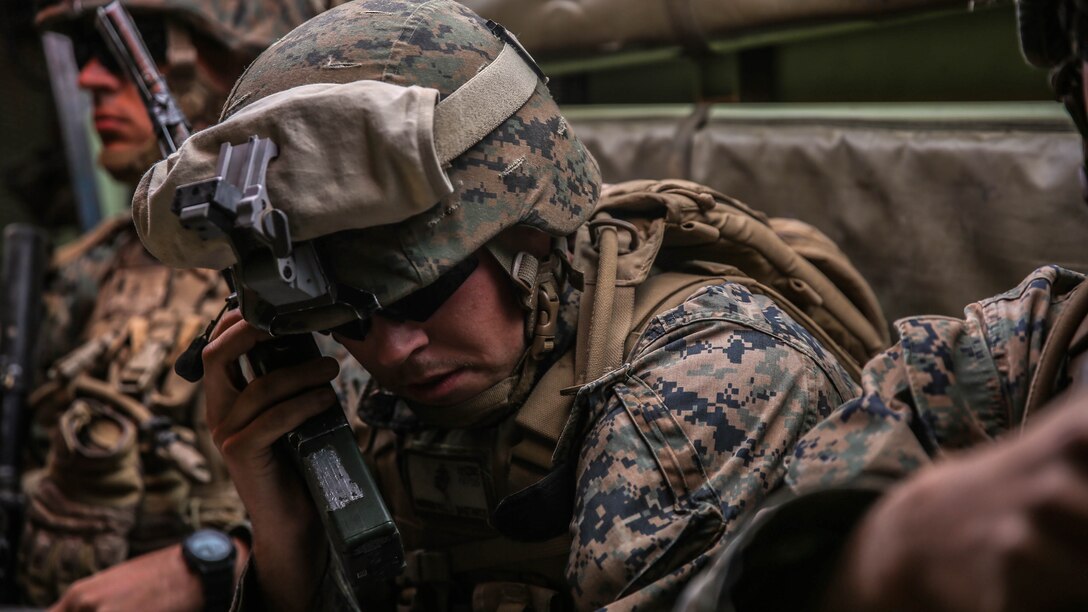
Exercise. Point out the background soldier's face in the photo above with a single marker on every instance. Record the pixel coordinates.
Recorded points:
(120, 120)
(471, 342)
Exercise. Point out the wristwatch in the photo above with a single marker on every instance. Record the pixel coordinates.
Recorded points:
(210, 554)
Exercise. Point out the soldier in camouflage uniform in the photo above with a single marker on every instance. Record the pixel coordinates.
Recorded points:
(130, 469)
(660, 459)
(950, 483)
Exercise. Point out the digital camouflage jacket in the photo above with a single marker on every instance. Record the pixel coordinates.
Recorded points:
(948, 384)
(683, 443)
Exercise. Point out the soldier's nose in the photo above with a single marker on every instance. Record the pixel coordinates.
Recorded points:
(393, 341)
(94, 76)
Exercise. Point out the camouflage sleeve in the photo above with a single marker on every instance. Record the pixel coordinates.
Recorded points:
(947, 384)
(688, 438)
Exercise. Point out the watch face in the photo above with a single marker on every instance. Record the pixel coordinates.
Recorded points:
(209, 546)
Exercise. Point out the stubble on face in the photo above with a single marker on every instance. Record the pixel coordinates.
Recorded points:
(473, 341)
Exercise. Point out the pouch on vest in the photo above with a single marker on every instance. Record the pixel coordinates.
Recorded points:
(81, 512)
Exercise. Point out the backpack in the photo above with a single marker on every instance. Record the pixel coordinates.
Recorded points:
(648, 247)
(650, 244)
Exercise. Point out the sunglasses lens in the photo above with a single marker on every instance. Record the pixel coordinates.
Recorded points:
(88, 43)
(421, 304)
(89, 46)
(418, 306)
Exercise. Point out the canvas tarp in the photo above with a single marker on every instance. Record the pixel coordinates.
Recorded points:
(550, 27)
(937, 206)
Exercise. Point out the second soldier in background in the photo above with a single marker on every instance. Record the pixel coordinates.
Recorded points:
(130, 471)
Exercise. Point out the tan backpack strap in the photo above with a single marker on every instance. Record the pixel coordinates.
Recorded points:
(607, 309)
(1055, 349)
(822, 252)
(600, 305)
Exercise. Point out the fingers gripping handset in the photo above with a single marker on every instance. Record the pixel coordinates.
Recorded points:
(360, 528)
(282, 291)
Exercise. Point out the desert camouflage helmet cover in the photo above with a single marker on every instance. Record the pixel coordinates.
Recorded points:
(245, 27)
(530, 171)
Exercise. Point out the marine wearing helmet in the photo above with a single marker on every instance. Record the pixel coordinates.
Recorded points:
(130, 470)
(422, 158)
(201, 47)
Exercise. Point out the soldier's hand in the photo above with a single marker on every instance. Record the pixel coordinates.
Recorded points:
(1003, 527)
(156, 581)
(245, 420)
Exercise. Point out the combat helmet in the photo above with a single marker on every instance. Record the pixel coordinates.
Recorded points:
(531, 170)
(1054, 35)
(242, 28)
(526, 168)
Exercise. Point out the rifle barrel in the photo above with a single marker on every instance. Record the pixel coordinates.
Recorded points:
(127, 45)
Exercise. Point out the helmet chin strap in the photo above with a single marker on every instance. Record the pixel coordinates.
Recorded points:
(538, 282)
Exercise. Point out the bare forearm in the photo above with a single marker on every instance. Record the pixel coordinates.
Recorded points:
(288, 551)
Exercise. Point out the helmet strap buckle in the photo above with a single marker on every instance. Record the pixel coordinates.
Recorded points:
(546, 317)
(538, 286)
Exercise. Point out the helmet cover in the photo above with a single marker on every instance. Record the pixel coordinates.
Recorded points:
(529, 171)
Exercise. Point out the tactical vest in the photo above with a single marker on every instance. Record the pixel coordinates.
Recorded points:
(131, 467)
(649, 246)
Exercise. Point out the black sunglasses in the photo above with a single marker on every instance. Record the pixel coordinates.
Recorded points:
(418, 306)
(87, 43)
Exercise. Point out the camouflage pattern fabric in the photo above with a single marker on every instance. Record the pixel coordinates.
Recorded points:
(532, 170)
(948, 384)
(685, 442)
(90, 506)
(688, 439)
(243, 27)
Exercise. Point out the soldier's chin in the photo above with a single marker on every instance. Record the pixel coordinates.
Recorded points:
(128, 164)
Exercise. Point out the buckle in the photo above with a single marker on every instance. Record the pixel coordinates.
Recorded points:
(547, 319)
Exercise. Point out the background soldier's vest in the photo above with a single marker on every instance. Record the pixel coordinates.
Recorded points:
(130, 466)
(443, 487)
